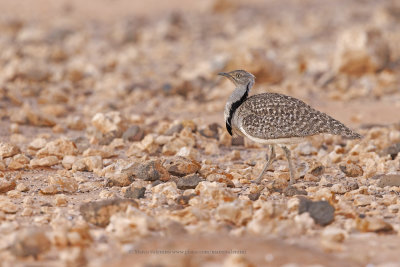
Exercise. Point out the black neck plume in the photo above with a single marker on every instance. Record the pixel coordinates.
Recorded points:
(234, 107)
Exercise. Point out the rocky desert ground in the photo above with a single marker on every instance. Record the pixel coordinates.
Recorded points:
(114, 152)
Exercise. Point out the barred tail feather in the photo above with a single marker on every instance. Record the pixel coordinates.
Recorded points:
(342, 130)
(352, 135)
(335, 127)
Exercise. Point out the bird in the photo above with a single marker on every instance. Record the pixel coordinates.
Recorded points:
(275, 119)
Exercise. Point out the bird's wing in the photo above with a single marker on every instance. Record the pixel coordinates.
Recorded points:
(272, 116)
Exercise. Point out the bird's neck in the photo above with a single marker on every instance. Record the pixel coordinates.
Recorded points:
(235, 100)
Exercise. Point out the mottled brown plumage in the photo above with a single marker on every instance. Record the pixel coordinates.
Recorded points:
(273, 118)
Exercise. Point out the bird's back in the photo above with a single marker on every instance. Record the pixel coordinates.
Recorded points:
(274, 116)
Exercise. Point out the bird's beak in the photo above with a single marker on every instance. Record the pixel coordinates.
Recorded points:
(227, 75)
(224, 74)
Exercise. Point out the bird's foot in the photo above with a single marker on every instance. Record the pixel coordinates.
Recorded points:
(258, 180)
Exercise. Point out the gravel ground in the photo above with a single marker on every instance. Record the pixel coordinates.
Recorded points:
(113, 148)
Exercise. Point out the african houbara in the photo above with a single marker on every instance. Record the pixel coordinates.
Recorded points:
(275, 119)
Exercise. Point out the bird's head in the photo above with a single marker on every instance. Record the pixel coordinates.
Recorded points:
(239, 77)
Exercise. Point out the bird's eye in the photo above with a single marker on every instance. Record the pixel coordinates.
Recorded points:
(238, 75)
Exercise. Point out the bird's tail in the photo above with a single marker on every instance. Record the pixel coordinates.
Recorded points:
(342, 130)
(352, 135)
(335, 127)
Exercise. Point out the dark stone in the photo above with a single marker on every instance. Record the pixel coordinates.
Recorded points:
(227, 181)
(189, 181)
(304, 204)
(251, 163)
(119, 180)
(133, 134)
(351, 170)
(223, 178)
(184, 200)
(350, 186)
(99, 212)
(392, 150)
(214, 127)
(389, 180)
(211, 131)
(151, 171)
(148, 172)
(317, 170)
(155, 183)
(322, 212)
(177, 128)
(254, 196)
(180, 166)
(137, 192)
(106, 139)
(293, 191)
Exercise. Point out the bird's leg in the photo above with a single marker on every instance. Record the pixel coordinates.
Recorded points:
(289, 159)
(271, 158)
